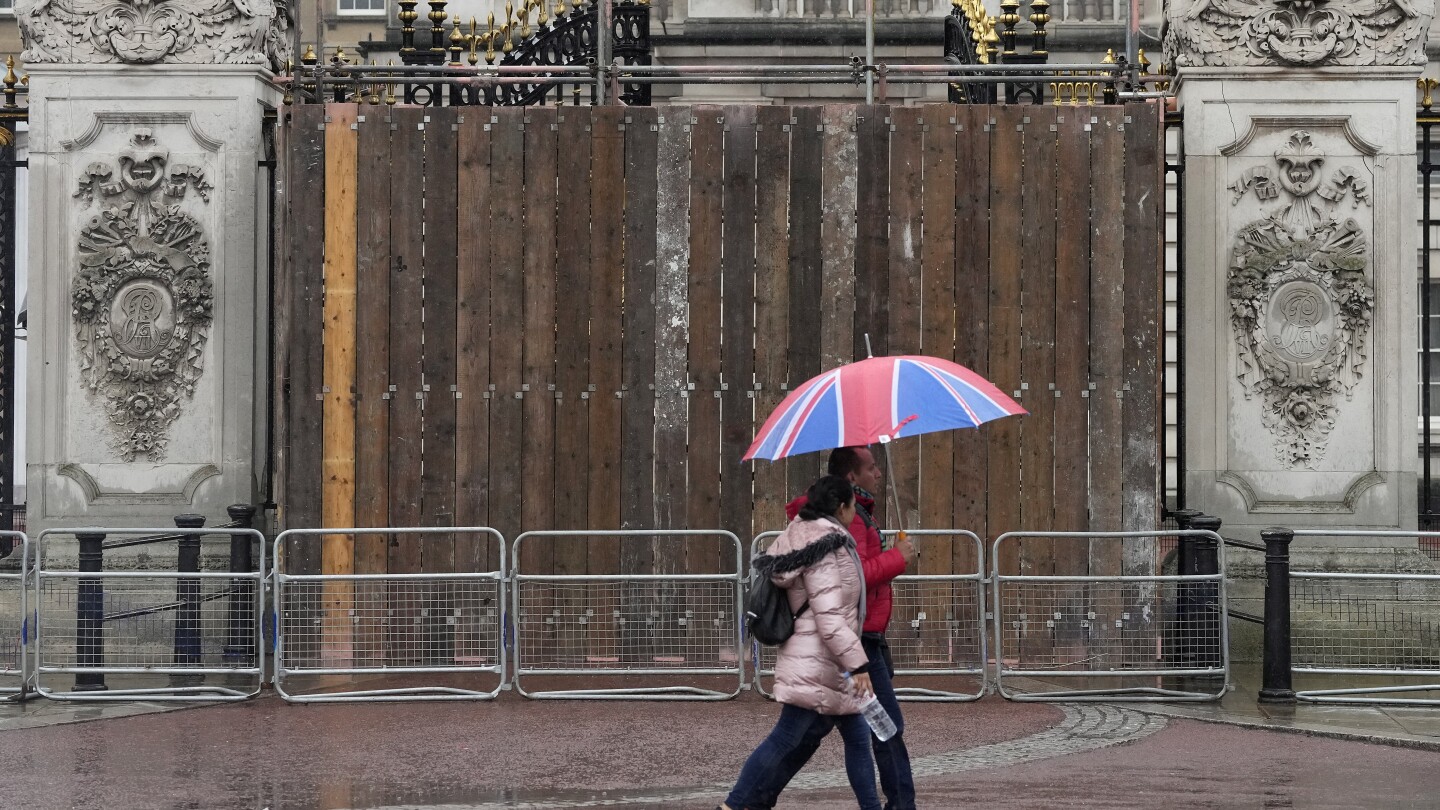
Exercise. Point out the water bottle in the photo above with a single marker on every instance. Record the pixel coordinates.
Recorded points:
(880, 723)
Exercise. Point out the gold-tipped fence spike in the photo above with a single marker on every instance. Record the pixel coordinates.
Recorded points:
(309, 58)
(1427, 86)
(390, 88)
(1143, 61)
(1109, 57)
(506, 46)
(1055, 93)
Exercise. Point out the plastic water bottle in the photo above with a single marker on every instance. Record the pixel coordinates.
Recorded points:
(880, 723)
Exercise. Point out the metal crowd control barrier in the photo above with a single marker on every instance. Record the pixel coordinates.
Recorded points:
(1102, 628)
(937, 625)
(91, 623)
(389, 625)
(1377, 625)
(15, 622)
(613, 624)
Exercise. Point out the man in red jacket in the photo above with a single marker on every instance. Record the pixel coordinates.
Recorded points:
(880, 565)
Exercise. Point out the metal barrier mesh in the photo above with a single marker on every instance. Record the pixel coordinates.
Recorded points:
(1108, 627)
(345, 623)
(627, 625)
(141, 616)
(1360, 623)
(12, 626)
(935, 626)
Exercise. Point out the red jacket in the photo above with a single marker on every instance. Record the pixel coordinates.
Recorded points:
(880, 566)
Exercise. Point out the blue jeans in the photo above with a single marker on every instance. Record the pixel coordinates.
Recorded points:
(892, 757)
(776, 756)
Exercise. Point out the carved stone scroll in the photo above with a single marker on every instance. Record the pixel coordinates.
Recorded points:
(1301, 33)
(142, 296)
(1300, 295)
(150, 31)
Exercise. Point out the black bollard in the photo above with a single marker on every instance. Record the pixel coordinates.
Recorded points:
(1206, 595)
(1275, 684)
(240, 640)
(90, 614)
(187, 593)
(1179, 645)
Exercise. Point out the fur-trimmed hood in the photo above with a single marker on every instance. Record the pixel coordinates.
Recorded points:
(804, 543)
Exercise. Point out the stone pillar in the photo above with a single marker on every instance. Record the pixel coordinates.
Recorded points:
(148, 263)
(1300, 259)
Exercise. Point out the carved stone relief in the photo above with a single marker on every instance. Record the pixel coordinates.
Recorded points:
(1303, 33)
(142, 296)
(1300, 297)
(149, 31)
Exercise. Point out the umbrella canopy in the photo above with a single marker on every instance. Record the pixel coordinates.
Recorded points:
(879, 399)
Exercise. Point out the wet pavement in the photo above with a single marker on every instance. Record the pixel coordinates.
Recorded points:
(558, 754)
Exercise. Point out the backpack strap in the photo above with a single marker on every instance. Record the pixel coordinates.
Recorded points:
(803, 607)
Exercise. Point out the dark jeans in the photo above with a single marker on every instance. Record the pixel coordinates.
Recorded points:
(775, 755)
(891, 756)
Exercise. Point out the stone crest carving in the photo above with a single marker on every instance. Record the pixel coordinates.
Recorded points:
(1303, 33)
(142, 296)
(148, 31)
(1300, 297)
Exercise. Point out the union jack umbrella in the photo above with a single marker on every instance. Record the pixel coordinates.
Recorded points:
(879, 399)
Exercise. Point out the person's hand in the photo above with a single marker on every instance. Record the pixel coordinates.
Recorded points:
(907, 550)
(861, 681)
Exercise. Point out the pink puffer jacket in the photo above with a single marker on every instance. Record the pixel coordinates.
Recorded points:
(816, 561)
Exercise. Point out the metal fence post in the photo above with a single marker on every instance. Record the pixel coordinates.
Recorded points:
(187, 593)
(240, 640)
(1205, 598)
(1276, 686)
(90, 614)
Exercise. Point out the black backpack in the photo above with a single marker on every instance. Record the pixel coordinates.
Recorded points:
(768, 617)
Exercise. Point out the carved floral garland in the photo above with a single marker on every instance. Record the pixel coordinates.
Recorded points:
(1300, 300)
(142, 299)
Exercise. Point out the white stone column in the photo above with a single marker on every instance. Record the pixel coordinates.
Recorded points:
(147, 259)
(1300, 274)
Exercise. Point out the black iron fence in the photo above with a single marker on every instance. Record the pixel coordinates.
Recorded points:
(1429, 316)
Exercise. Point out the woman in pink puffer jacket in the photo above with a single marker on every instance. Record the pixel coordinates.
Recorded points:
(821, 674)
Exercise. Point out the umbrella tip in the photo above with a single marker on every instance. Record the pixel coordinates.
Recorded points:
(868, 351)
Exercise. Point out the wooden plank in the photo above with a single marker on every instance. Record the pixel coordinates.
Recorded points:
(437, 470)
(672, 231)
(872, 230)
(407, 154)
(1072, 334)
(707, 176)
(607, 256)
(472, 335)
(972, 326)
(838, 195)
(1107, 329)
(507, 319)
(474, 553)
(437, 479)
(1144, 270)
(637, 372)
(572, 341)
(672, 247)
(283, 299)
(1037, 345)
(772, 301)
(572, 355)
(902, 305)
(937, 306)
(737, 268)
(1007, 136)
(306, 344)
(538, 355)
(372, 316)
(807, 215)
(337, 494)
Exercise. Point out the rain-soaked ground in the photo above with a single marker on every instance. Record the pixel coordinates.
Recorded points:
(514, 752)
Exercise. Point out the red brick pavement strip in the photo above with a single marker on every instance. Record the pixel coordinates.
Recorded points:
(268, 754)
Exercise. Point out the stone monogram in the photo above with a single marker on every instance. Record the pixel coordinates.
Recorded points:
(142, 297)
(1301, 33)
(150, 31)
(1300, 298)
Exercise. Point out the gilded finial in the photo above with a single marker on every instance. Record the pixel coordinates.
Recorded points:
(525, 20)
(390, 89)
(1039, 17)
(559, 7)
(490, 40)
(506, 45)
(10, 81)
(309, 58)
(1109, 57)
(1426, 86)
(1143, 61)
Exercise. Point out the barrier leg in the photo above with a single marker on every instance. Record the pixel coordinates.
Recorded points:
(90, 614)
